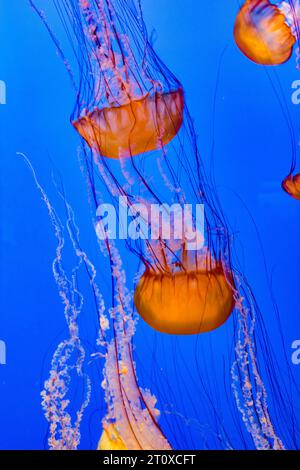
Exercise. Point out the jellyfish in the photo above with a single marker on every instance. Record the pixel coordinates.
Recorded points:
(266, 34)
(136, 108)
(130, 111)
(291, 185)
(141, 125)
(190, 300)
(262, 34)
(144, 113)
(139, 145)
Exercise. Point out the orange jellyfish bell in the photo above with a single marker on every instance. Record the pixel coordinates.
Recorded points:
(262, 34)
(185, 302)
(138, 126)
(291, 185)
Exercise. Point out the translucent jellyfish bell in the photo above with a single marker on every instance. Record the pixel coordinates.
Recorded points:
(186, 301)
(262, 34)
(139, 126)
(131, 103)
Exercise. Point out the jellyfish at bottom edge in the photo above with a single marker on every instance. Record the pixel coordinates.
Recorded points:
(132, 417)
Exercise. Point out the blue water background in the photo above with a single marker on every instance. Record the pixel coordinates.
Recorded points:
(252, 153)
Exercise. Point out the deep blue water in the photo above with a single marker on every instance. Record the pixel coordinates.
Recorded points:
(252, 153)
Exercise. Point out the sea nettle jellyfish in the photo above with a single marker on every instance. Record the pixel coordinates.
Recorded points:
(136, 126)
(129, 110)
(291, 185)
(262, 33)
(191, 297)
(266, 33)
(133, 105)
(140, 146)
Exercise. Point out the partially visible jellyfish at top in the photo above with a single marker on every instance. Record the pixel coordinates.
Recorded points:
(128, 110)
(139, 144)
(266, 32)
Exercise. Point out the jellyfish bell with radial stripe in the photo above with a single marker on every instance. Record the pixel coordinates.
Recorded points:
(133, 104)
(139, 126)
(189, 301)
(262, 33)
